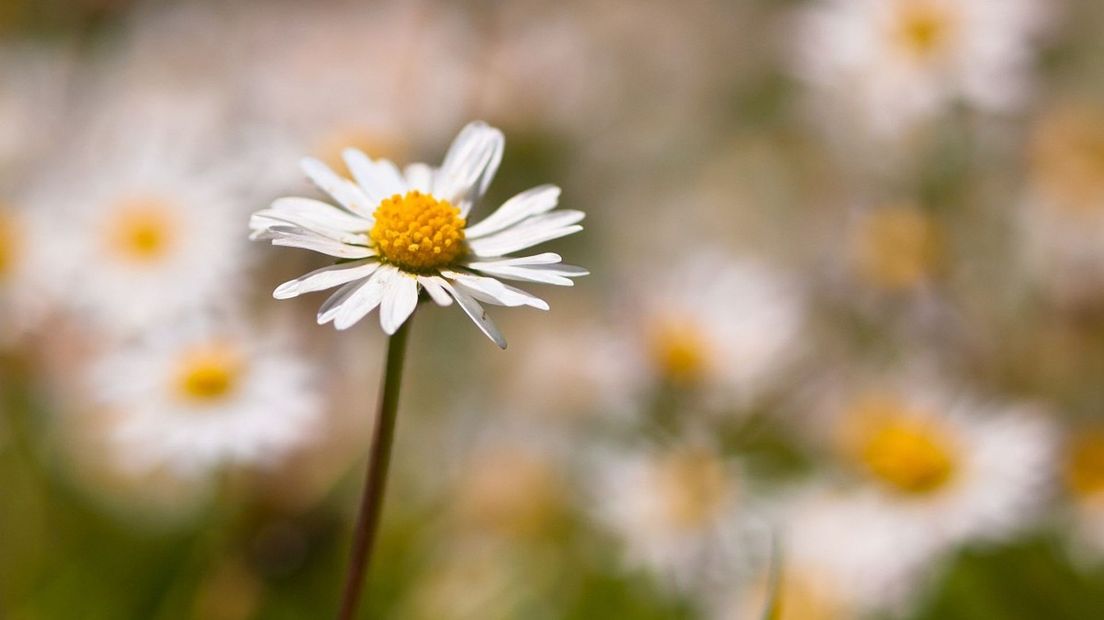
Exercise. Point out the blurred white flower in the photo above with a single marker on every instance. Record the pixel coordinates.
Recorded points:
(843, 556)
(953, 469)
(888, 65)
(1061, 223)
(1083, 475)
(24, 300)
(727, 328)
(679, 510)
(197, 396)
(402, 232)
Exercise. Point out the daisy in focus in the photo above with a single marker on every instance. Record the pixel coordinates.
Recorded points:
(401, 232)
(201, 396)
(889, 65)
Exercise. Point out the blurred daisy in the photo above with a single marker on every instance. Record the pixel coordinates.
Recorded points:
(679, 511)
(954, 469)
(895, 248)
(403, 232)
(1083, 475)
(24, 300)
(693, 339)
(1062, 223)
(194, 398)
(843, 556)
(890, 64)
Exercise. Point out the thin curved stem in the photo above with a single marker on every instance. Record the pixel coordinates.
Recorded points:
(371, 502)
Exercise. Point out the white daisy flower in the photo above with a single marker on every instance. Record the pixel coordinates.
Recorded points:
(1083, 475)
(200, 396)
(693, 337)
(842, 556)
(953, 468)
(679, 511)
(1062, 219)
(402, 232)
(891, 64)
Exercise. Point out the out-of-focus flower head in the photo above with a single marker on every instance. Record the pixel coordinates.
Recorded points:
(196, 395)
(887, 66)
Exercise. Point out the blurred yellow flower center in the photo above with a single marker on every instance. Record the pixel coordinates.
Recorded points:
(922, 28)
(418, 232)
(1068, 157)
(907, 454)
(693, 485)
(896, 247)
(143, 230)
(1085, 464)
(7, 244)
(680, 352)
(209, 373)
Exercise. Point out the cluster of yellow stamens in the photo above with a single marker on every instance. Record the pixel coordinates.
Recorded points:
(418, 232)
(143, 229)
(209, 373)
(923, 28)
(902, 448)
(7, 243)
(1085, 464)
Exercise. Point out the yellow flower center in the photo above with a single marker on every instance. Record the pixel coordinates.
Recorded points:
(1084, 471)
(8, 247)
(923, 29)
(1068, 158)
(143, 230)
(896, 247)
(680, 353)
(903, 450)
(693, 485)
(209, 373)
(418, 232)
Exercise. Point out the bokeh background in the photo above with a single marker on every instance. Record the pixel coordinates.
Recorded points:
(844, 332)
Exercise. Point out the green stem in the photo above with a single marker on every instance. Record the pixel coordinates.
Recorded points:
(371, 502)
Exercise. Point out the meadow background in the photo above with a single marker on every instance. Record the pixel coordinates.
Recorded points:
(845, 311)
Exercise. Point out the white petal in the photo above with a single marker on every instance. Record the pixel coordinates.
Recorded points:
(545, 258)
(515, 239)
(526, 204)
(344, 191)
(493, 291)
(476, 313)
(470, 164)
(326, 277)
(400, 297)
(535, 273)
(332, 305)
(324, 212)
(434, 286)
(267, 219)
(298, 238)
(379, 179)
(365, 298)
(419, 177)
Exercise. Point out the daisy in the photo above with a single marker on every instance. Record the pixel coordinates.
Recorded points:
(679, 510)
(1062, 222)
(895, 248)
(1083, 475)
(23, 298)
(199, 396)
(891, 64)
(955, 469)
(688, 336)
(399, 233)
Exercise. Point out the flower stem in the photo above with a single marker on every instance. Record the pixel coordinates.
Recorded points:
(371, 502)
